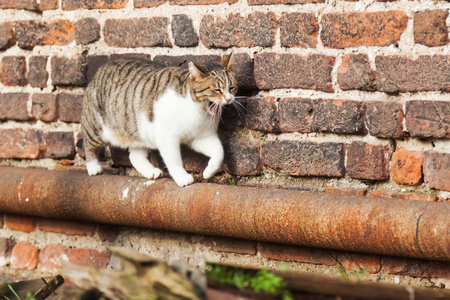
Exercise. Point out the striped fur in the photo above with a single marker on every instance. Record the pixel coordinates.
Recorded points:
(136, 104)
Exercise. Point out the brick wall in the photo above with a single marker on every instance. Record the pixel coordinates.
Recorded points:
(348, 97)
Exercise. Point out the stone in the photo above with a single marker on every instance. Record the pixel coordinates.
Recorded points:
(87, 31)
(355, 73)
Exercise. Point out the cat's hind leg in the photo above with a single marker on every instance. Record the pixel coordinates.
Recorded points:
(139, 160)
(91, 152)
(211, 147)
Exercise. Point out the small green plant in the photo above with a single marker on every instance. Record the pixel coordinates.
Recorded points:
(231, 180)
(29, 294)
(258, 281)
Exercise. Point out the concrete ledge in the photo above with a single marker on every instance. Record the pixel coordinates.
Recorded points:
(353, 223)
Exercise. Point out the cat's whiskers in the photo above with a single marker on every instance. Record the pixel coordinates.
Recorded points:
(240, 108)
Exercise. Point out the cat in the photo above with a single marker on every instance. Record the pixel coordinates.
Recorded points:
(140, 105)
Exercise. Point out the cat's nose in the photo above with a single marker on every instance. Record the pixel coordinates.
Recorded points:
(229, 99)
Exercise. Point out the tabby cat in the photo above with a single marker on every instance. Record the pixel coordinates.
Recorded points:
(141, 105)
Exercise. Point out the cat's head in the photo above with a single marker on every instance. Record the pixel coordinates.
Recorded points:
(214, 85)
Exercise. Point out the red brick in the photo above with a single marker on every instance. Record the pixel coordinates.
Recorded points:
(345, 191)
(69, 71)
(234, 116)
(60, 144)
(67, 227)
(37, 71)
(51, 256)
(416, 268)
(45, 107)
(244, 71)
(397, 74)
(255, 29)
(354, 29)
(70, 108)
(298, 254)
(276, 71)
(48, 5)
(93, 4)
(227, 245)
(148, 3)
(14, 106)
(87, 31)
(133, 33)
(19, 143)
(7, 38)
(21, 223)
(268, 2)
(108, 233)
(261, 114)
(183, 31)
(436, 170)
(301, 158)
(321, 115)
(365, 161)
(361, 262)
(200, 2)
(133, 55)
(430, 28)
(89, 257)
(31, 33)
(94, 62)
(385, 119)
(13, 70)
(406, 196)
(242, 157)
(355, 73)
(299, 30)
(19, 4)
(406, 166)
(24, 256)
(428, 119)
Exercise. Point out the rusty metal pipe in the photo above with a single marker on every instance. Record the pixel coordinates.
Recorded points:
(354, 223)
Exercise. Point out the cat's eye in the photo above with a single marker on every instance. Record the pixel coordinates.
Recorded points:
(218, 90)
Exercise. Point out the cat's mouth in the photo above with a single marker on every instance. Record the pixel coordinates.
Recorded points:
(213, 108)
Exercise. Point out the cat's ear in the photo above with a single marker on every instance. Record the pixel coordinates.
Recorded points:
(195, 72)
(228, 62)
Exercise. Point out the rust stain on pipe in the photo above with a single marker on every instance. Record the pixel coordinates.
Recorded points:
(354, 223)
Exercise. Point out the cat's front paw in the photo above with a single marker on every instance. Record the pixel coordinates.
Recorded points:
(210, 171)
(93, 167)
(153, 173)
(183, 180)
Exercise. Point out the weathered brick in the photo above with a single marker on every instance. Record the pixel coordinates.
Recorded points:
(299, 30)
(20, 223)
(302, 158)
(354, 29)
(428, 119)
(359, 262)
(255, 29)
(243, 69)
(406, 166)
(70, 108)
(436, 170)
(31, 33)
(416, 268)
(89, 257)
(365, 161)
(94, 62)
(242, 157)
(148, 3)
(183, 31)
(108, 232)
(7, 38)
(275, 71)
(345, 191)
(19, 4)
(5, 246)
(321, 115)
(51, 256)
(184, 59)
(60, 144)
(132, 55)
(45, 107)
(295, 253)
(385, 119)
(69, 71)
(133, 33)
(405, 196)
(37, 71)
(13, 70)
(355, 73)
(227, 245)
(87, 31)
(430, 28)
(233, 116)
(93, 4)
(261, 114)
(200, 2)
(24, 256)
(268, 2)
(19, 143)
(13, 106)
(397, 74)
(67, 227)
(48, 4)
